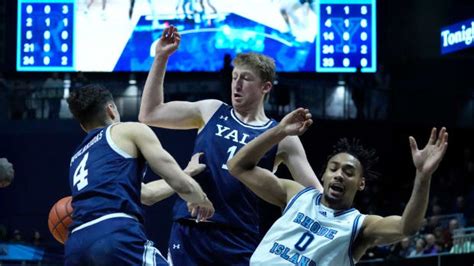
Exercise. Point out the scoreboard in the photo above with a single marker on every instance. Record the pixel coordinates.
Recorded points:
(64, 35)
(347, 36)
(45, 35)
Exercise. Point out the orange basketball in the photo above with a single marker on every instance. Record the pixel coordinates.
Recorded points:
(60, 217)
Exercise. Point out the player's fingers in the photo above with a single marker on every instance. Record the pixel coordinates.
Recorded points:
(432, 139)
(440, 139)
(164, 34)
(413, 145)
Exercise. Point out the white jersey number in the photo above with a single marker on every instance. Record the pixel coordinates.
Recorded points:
(81, 173)
(231, 151)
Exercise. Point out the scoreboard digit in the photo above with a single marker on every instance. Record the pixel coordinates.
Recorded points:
(45, 35)
(347, 36)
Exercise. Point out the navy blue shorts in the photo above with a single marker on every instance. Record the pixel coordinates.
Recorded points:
(116, 241)
(209, 244)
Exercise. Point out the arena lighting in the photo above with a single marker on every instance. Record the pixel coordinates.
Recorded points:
(457, 36)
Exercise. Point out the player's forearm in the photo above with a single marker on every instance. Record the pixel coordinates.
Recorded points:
(155, 191)
(415, 210)
(249, 156)
(159, 190)
(152, 96)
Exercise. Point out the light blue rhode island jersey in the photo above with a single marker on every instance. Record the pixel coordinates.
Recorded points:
(309, 233)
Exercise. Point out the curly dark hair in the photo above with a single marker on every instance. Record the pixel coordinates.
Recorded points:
(367, 157)
(87, 103)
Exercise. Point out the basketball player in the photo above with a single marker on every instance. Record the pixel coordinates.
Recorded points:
(158, 190)
(105, 179)
(231, 236)
(322, 228)
(6, 172)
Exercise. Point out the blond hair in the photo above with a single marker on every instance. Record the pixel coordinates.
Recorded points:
(263, 65)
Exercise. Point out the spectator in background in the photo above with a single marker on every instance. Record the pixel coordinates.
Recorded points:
(431, 247)
(380, 96)
(17, 238)
(359, 83)
(6, 172)
(36, 239)
(54, 91)
(419, 248)
(401, 249)
(80, 80)
(448, 234)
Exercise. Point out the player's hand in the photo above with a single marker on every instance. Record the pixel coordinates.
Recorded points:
(427, 160)
(6, 172)
(194, 167)
(169, 42)
(296, 122)
(202, 211)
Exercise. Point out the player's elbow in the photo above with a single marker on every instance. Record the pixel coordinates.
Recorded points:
(146, 195)
(410, 229)
(235, 169)
(144, 117)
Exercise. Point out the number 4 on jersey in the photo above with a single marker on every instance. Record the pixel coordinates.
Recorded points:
(81, 173)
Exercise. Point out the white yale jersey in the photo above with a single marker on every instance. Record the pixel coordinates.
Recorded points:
(309, 233)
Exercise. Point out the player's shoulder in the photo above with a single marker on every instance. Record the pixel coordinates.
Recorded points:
(371, 219)
(208, 107)
(129, 128)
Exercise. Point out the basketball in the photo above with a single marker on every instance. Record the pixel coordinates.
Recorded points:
(60, 217)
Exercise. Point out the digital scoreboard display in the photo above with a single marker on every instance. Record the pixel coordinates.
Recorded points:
(46, 35)
(301, 35)
(347, 36)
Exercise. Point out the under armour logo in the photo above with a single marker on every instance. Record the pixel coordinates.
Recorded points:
(176, 246)
(223, 117)
(323, 213)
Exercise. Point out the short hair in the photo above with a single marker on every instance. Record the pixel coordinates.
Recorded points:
(87, 103)
(262, 64)
(367, 157)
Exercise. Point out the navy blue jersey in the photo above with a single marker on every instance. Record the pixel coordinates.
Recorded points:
(104, 179)
(222, 136)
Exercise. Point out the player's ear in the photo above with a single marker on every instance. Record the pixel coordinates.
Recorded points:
(110, 110)
(362, 184)
(267, 87)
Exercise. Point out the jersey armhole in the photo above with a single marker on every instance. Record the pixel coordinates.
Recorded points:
(296, 196)
(113, 145)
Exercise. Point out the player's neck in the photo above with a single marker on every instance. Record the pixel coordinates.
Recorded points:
(93, 126)
(336, 205)
(251, 115)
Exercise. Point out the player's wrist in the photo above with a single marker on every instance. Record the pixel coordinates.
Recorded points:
(161, 55)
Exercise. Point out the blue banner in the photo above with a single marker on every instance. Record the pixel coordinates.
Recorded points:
(457, 37)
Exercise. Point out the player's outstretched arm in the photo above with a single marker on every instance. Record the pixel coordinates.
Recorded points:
(291, 152)
(177, 114)
(164, 165)
(393, 228)
(263, 182)
(158, 190)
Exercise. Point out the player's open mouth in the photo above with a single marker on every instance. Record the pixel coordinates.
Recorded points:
(337, 188)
